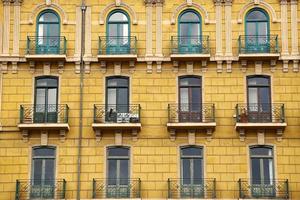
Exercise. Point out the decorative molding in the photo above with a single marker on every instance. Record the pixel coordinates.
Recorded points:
(192, 137)
(284, 28)
(112, 6)
(295, 65)
(6, 2)
(294, 27)
(149, 33)
(117, 68)
(16, 28)
(190, 67)
(254, 4)
(158, 66)
(183, 6)
(118, 2)
(4, 67)
(14, 66)
(149, 67)
(6, 28)
(219, 66)
(285, 66)
(258, 67)
(175, 66)
(44, 6)
(219, 28)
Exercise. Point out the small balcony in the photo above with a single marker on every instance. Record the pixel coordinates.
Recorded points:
(116, 188)
(117, 118)
(263, 46)
(267, 189)
(44, 118)
(191, 47)
(191, 117)
(191, 188)
(40, 189)
(46, 48)
(121, 48)
(260, 116)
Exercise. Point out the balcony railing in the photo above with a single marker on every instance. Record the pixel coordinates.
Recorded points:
(199, 113)
(46, 45)
(116, 188)
(190, 44)
(117, 45)
(249, 44)
(40, 189)
(112, 113)
(267, 189)
(41, 113)
(260, 113)
(191, 188)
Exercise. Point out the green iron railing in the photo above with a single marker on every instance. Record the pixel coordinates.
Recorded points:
(117, 45)
(40, 189)
(190, 44)
(41, 113)
(191, 188)
(260, 113)
(112, 113)
(258, 44)
(192, 112)
(266, 189)
(116, 188)
(46, 45)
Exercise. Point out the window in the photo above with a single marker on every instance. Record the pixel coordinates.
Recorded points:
(118, 172)
(118, 33)
(190, 99)
(192, 172)
(45, 107)
(259, 99)
(48, 33)
(117, 97)
(257, 31)
(189, 31)
(262, 171)
(43, 173)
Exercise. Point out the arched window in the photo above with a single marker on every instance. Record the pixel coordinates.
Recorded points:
(48, 33)
(118, 172)
(189, 32)
(259, 99)
(262, 171)
(190, 99)
(118, 32)
(43, 173)
(192, 172)
(46, 94)
(257, 30)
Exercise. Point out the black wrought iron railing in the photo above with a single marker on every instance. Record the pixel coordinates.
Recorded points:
(191, 188)
(41, 113)
(190, 44)
(112, 113)
(40, 189)
(260, 113)
(191, 113)
(116, 188)
(46, 45)
(267, 189)
(115, 45)
(258, 44)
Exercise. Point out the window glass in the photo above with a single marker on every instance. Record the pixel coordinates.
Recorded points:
(48, 17)
(44, 152)
(257, 15)
(116, 151)
(261, 151)
(118, 17)
(189, 17)
(118, 93)
(190, 81)
(191, 151)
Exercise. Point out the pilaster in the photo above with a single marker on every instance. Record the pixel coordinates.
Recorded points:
(149, 39)
(16, 38)
(218, 8)
(78, 33)
(6, 26)
(88, 33)
(228, 25)
(294, 27)
(159, 13)
(284, 27)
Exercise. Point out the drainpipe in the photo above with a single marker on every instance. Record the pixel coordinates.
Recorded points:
(83, 9)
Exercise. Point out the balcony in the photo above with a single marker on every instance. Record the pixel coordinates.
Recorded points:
(191, 117)
(260, 116)
(267, 189)
(120, 48)
(117, 118)
(116, 188)
(190, 48)
(44, 117)
(40, 189)
(47, 48)
(263, 46)
(184, 189)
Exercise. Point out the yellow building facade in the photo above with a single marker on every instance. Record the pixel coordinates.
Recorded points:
(154, 99)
